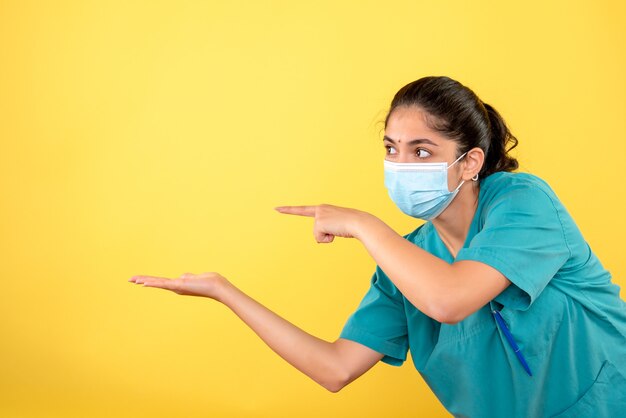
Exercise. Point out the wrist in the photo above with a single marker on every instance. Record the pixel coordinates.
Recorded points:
(364, 224)
(222, 289)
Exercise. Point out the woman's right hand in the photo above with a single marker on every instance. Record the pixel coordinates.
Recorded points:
(207, 284)
(332, 365)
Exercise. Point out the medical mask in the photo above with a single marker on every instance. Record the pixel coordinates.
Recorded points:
(420, 189)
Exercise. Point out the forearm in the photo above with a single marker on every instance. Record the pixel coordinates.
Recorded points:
(311, 355)
(425, 280)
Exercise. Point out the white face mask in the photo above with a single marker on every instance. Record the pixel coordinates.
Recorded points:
(420, 189)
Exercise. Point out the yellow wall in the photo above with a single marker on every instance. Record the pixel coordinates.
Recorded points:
(155, 137)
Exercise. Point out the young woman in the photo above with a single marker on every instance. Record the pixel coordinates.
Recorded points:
(505, 308)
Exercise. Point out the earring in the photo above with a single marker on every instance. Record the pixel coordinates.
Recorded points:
(475, 178)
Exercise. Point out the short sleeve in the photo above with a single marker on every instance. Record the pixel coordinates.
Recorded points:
(523, 238)
(379, 321)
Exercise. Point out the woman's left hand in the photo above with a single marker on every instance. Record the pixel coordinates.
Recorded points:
(330, 221)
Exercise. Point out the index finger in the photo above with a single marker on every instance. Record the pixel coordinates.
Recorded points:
(141, 278)
(297, 210)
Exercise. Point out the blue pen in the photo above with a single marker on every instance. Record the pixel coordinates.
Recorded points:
(509, 337)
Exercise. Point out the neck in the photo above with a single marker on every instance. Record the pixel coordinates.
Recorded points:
(453, 224)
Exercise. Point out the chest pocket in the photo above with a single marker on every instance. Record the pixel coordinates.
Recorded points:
(467, 328)
(534, 328)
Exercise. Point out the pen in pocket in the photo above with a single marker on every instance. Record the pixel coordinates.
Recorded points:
(509, 338)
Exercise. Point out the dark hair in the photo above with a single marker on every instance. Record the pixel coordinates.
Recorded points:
(458, 113)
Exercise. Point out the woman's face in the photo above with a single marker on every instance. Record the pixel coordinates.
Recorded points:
(409, 140)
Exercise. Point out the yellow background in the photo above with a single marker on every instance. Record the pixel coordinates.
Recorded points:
(155, 137)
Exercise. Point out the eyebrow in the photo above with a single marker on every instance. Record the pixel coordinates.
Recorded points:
(413, 141)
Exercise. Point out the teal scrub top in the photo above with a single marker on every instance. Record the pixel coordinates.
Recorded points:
(562, 309)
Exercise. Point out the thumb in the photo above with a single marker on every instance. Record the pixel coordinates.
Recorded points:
(324, 238)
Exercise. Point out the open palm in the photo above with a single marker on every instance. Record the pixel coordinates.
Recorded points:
(203, 284)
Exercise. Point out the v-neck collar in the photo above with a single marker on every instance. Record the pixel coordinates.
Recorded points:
(444, 251)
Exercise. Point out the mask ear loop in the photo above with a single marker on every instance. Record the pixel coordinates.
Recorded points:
(462, 181)
(455, 161)
(475, 178)
(458, 187)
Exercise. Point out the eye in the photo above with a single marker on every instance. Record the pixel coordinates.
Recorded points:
(390, 150)
(422, 153)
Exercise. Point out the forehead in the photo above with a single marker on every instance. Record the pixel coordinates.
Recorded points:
(407, 120)
(407, 123)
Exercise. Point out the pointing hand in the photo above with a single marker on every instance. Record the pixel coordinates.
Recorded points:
(330, 221)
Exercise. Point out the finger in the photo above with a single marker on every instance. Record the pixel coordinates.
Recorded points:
(136, 279)
(186, 275)
(163, 284)
(142, 279)
(297, 210)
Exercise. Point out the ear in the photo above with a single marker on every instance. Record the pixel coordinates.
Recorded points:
(474, 161)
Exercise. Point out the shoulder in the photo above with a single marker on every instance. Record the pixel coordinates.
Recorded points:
(503, 182)
(521, 190)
